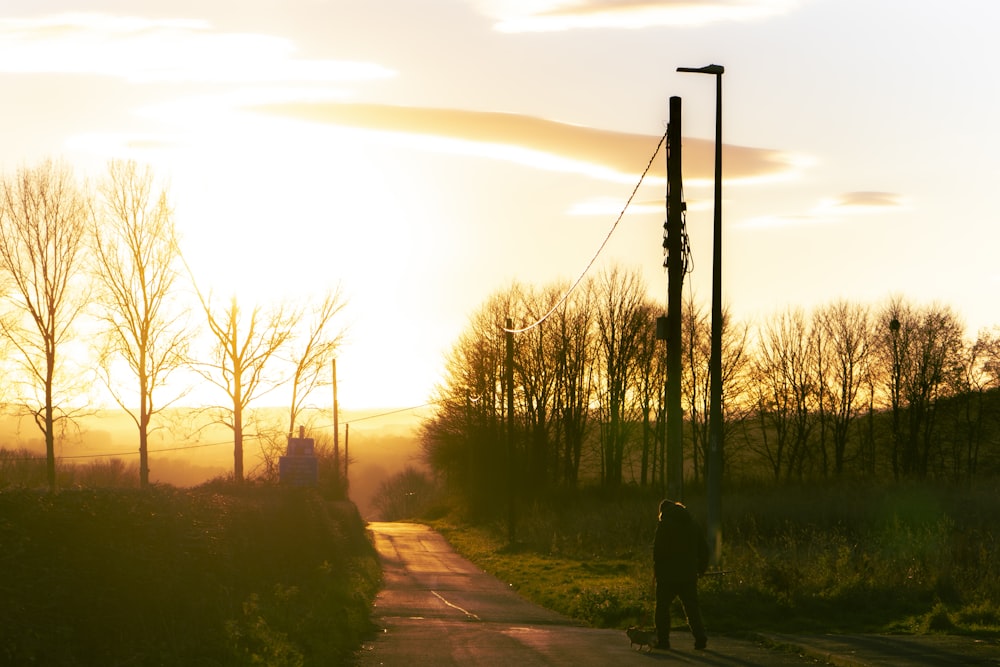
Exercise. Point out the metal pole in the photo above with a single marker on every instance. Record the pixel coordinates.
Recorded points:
(715, 459)
(675, 278)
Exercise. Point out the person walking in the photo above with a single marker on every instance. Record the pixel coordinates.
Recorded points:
(680, 555)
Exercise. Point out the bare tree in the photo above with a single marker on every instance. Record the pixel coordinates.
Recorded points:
(650, 404)
(136, 259)
(313, 351)
(574, 377)
(621, 320)
(846, 346)
(537, 370)
(891, 341)
(735, 376)
(43, 222)
(921, 351)
(464, 441)
(785, 390)
(696, 332)
(970, 408)
(244, 345)
(936, 343)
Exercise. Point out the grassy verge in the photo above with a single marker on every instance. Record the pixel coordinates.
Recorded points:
(212, 576)
(905, 559)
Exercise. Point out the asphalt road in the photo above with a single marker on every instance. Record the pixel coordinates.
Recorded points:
(437, 608)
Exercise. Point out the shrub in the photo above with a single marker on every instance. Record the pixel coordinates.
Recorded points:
(226, 574)
(406, 495)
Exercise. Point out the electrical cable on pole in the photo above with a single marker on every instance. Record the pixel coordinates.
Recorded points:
(593, 259)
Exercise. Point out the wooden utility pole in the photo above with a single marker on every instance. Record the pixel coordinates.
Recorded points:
(675, 279)
(336, 423)
(347, 454)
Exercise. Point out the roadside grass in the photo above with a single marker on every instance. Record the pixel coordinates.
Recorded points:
(218, 575)
(836, 558)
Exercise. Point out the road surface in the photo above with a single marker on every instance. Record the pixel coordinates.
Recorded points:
(436, 608)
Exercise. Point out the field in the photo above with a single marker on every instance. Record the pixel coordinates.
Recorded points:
(217, 575)
(842, 558)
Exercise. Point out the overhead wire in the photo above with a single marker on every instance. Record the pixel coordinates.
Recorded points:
(392, 412)
(209, 444)
(537, 323)
(129, 453)
(600, 248)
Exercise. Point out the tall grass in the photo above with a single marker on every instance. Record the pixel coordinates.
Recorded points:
(820, 558)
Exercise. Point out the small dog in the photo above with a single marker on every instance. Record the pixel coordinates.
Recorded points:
(640, 637)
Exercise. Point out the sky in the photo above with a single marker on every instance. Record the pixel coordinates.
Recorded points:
(424, 154)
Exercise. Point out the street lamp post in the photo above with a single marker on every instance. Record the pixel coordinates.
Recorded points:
(714, 458)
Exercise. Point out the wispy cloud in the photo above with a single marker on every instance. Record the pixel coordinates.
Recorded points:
(542, 143)
(162, 50)
(781, 221)
(833, 210)
(862, 202)
(553, 15)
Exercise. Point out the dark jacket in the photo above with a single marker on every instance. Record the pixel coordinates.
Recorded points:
(679, 549)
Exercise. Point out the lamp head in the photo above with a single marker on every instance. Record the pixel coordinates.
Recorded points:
(707, 69)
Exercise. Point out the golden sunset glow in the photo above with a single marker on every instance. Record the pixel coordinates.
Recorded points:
(630, 14)
(424, 162)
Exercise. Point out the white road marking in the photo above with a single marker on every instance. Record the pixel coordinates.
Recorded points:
(455, 606)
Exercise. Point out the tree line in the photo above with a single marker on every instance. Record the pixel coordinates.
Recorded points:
(888, 390)
(95, 289)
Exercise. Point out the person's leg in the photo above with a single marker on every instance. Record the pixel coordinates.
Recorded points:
(688, 593)
(665, 594)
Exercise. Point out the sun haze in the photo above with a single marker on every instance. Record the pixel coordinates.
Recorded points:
(426, 161)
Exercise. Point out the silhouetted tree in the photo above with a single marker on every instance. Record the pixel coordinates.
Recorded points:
(736, 379)
(651, 360)
(785, 380)
(312, 350)
(575, 352)
(244, 345)
(464, 441)
(696, 334)
(923, 352)
(43, 224)
(969, 414)
(620, 320)
(136, 258)
(536, 370)
(843, 364)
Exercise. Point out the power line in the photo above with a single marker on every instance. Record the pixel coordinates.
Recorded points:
(544, 317)
(203, 445)
(128, 453)
(593, 259)
(380, 414)
(393, 412)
